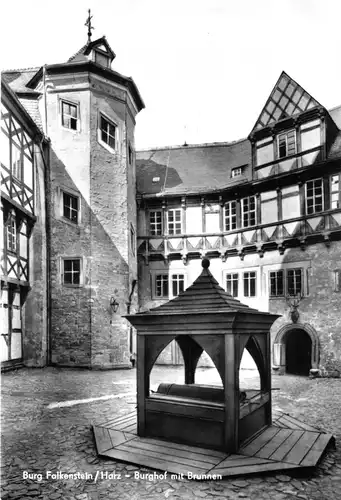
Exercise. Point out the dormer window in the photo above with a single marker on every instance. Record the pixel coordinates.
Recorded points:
(236, 172)
(102, 59)
(286, 144)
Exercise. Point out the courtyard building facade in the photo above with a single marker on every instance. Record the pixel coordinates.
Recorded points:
(266, 210)
(94, 230)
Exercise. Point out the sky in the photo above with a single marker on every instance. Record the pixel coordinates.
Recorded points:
(204, 68)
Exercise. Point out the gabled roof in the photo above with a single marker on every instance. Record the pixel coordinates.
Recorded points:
(287, 99)
(204, 295)
(192, 169)
(89, 46)
(27, 108)
(19, 78)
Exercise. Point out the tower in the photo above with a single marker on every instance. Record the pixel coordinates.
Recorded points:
(89, 112)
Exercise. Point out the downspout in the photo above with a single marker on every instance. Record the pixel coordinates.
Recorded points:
(47, 182)
(46, 163)
(132, 358)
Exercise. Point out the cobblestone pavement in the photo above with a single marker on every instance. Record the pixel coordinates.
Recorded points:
(39, 436)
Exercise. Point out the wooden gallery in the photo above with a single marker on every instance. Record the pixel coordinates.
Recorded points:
(96, 233)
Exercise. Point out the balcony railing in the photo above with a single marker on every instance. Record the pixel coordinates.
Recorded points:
(282, 234)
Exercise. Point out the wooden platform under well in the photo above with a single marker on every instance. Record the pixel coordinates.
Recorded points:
(287, 444)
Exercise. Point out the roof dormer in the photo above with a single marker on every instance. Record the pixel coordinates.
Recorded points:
(98, 51)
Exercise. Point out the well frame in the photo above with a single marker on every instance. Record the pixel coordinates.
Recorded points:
(204, 317)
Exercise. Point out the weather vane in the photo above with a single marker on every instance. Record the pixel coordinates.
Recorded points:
(88, 24)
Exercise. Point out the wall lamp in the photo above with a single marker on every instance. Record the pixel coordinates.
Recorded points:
(114, 304)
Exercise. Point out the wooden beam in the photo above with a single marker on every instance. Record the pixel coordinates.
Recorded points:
(142, 385)
(231, 386)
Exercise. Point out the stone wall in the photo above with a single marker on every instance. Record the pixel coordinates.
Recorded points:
(320, 308)
(35, 310)
(84, 329)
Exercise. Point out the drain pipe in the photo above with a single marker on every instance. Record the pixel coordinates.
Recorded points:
(132, 358)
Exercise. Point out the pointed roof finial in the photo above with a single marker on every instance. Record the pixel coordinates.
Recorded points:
(88, 24)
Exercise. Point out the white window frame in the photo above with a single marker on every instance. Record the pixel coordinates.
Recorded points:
(335, 191)
(286, 143)
(69, 192)
(153, 226)
(11, 236)
(171, 280)
(112, 122)
(76, 105)
(304, 265)
(236, 172)
(232, 281)
(302, 281)
(283, 271)
(249, 211)
(232, 217)
(174, 222)
(17, 165)
(71, 209)
(62, 271)
(256, 283)
(165, 276)
(314, 197)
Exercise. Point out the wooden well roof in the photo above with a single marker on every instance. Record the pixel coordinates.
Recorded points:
(205, 294)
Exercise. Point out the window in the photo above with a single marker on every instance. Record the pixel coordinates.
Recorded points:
(71, 272)
(286, 144)
(250, 284)
(294, 281)
(314, 196)
(69, 115)
(264, 151)
(178, 284)
(132, 239)
(108, 132)
(248, 211)
(337, 280)
(236, 171)
(161, 285)
(70, 207)
(174, 221)
(130, 155)
(277, 283)
(232, 284)
(17, 161)
(335, 191)
(102, 59)
(155, 222)
(230, 215)
(11, 234)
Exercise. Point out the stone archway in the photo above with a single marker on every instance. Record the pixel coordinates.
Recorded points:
(294, 338)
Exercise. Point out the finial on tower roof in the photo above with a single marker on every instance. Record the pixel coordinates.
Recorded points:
(88, 24)
(205, 263)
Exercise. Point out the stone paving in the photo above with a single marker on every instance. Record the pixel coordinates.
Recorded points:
(41, 438)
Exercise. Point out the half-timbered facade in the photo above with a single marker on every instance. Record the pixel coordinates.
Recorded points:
(23, 259)
(267, 211)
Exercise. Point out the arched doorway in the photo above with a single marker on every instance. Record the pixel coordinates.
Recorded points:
(298, 349)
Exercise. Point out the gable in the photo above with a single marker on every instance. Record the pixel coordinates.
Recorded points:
(101, 47)
(287, 99)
